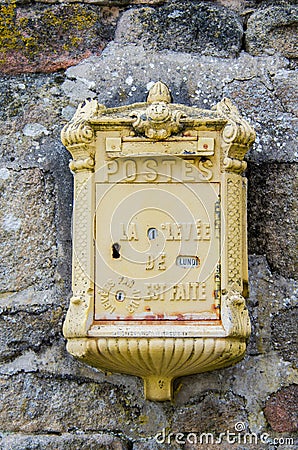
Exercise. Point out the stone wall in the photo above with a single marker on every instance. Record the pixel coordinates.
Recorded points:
(52, 56)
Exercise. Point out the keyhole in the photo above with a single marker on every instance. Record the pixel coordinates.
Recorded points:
(116, 250)
(152, 233)
(120, 296)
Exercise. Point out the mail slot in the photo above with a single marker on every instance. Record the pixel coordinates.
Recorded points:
(159, 238)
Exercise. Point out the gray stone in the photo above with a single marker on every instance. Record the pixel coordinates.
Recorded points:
(39, 39)
(29, 327)
(241, 6)
(35, 167)
(152, 444)
(77, 91)
(27, 231)
(35, 130)
(203, 27)
(97, 2)
(285, 84)
(273, 29)
(285, 338)
(66, 441)
(210, 412)
(272, 215)
(258, 377)
(53, 359)
(68, 112)
(40, 403)
(249, 383)
(233, 441)
(276, 127)
(198, 441)
(271, 298)
(45, 404)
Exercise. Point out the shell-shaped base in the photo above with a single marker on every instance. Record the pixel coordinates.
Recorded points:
(158, 360)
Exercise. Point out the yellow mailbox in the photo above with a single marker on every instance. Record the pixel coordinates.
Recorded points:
(159, 238)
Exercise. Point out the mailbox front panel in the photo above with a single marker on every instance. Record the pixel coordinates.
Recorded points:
(158, 248)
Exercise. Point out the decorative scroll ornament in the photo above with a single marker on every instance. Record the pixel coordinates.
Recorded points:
(237, 135)
(235, 315)
(158, 121)
(78, 135)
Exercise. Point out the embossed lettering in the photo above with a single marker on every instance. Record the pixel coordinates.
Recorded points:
(111, 168)
(155, 291)
(106, 303)
(187, 261)
(203, 231)
(169, 163)
(133, 304)
(130, 233)
(150, 262)
(129, 282)
(203, 166)
(188, 291)
(185, 231)
(130, 169)
(150, 172)
(159, 169)
(187, 171)
(159, 262)
(172, 231)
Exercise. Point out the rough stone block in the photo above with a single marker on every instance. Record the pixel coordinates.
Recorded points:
(34, 166)
(281, 409)
(66, 441)
(206, 28)
(286, 90)
(49, 38)
(285, 338)
(211, 412)
(32, 403)
(260, 99)
(273, 29)
(27, 230)
(272, 215)
(39, 403)
(272, 299)
(29, 326)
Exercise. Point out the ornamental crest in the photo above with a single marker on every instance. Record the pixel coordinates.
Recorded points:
(158, 121)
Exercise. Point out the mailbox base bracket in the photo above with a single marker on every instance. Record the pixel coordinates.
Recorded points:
(158, 360)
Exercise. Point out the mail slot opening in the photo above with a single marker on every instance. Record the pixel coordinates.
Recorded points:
(116, 250)
(152, 233)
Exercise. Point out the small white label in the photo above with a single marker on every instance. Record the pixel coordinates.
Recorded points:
(187, 261)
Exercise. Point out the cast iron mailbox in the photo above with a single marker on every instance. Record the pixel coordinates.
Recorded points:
(159, 238)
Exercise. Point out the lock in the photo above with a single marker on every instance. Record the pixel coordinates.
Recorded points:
(159, 238)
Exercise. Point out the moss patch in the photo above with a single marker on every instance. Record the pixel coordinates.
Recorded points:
(36, 35)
